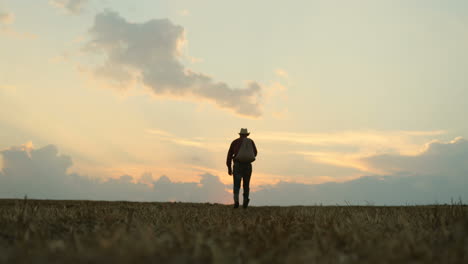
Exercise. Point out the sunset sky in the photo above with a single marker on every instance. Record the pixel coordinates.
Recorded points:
(331, 90)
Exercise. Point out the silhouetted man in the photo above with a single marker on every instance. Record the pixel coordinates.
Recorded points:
(243, 151)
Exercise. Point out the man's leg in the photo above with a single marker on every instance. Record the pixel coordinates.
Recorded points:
(247, 173)
(237, 176)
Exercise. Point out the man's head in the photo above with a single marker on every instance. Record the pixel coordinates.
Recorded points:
(244, 132)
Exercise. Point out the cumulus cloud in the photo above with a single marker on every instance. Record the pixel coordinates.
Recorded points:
(437, 158)
(437, 175)
(70, 6)
(375, 190)
(150, 53)
(41, 170)
(43, 173)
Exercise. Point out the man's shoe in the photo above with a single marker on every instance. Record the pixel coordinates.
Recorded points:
(236, 205)
(246, 203)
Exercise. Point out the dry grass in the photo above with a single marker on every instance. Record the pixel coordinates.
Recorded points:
(122, 232)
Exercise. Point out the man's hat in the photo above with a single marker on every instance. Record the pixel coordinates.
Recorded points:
(244, 131)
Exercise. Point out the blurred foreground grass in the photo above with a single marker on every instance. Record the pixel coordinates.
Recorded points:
(34, 231)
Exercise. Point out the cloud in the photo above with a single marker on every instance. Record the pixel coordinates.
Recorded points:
(150, 53)
(43, 173)
(375, 138)
(347, 148)
(6, 18)
(438, 174)
(377, 190)
(70, 6)
(436, 158)
(208, 189)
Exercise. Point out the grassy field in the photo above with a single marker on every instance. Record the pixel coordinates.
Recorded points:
(33, 231)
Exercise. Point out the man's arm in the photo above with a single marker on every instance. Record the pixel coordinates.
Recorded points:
(254, 148)
(229, 157)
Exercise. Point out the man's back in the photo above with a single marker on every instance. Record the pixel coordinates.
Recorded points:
(235, 147)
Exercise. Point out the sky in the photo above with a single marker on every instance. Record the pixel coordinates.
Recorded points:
(347, 101)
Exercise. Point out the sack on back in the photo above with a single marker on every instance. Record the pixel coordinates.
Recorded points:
(246, 152)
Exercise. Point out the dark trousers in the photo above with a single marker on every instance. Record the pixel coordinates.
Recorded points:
(241, 172)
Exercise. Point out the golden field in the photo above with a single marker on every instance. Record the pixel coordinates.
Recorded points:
(44, 231)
